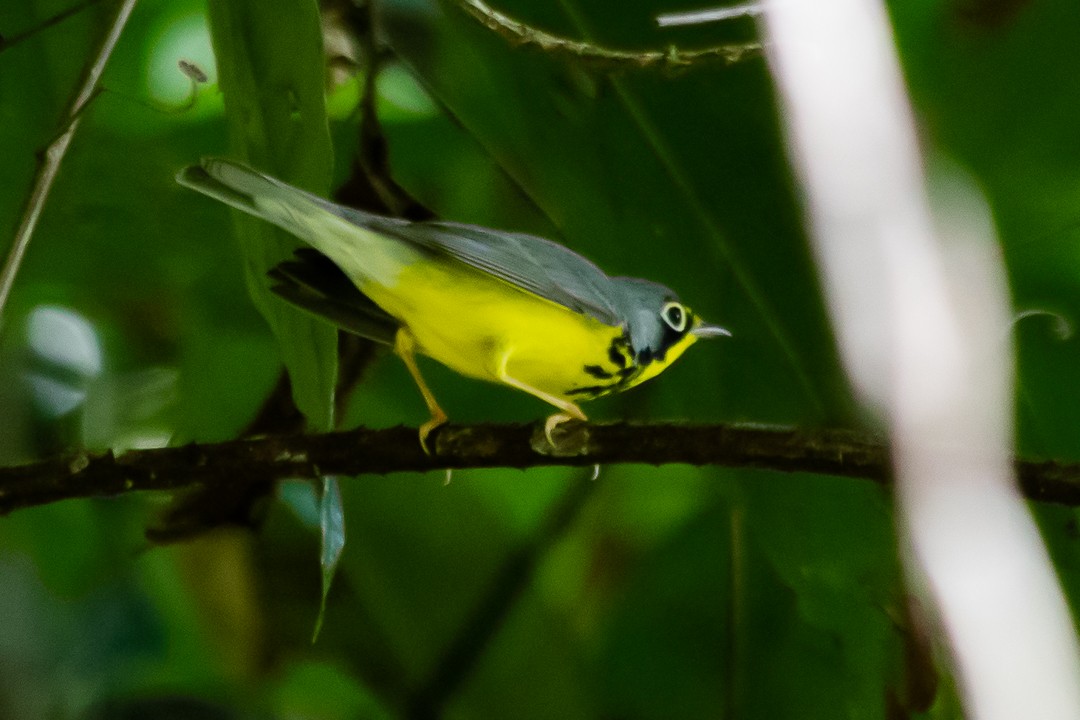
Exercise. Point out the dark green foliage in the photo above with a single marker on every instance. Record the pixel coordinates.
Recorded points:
(653, 593)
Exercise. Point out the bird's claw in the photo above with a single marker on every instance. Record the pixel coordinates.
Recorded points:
(553, 422)
(429, 427)
(564, 441)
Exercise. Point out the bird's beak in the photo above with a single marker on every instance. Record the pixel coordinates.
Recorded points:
(704, 330)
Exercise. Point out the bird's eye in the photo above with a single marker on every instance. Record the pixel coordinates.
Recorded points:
(675, 316)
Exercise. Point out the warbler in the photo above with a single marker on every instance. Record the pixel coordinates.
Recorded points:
(504, 307)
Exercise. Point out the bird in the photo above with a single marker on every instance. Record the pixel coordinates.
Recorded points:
(505, 307)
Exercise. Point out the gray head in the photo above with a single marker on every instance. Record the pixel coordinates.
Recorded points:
(657, 321)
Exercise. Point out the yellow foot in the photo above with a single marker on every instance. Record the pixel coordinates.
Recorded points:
(553, 422)
(437, 420)
(558, 419)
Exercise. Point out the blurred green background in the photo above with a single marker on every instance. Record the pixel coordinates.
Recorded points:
(651, 593)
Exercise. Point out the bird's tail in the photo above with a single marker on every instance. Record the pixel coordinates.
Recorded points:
(351, 238)
(288, 207)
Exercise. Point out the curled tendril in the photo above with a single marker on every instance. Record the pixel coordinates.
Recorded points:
(192, 71)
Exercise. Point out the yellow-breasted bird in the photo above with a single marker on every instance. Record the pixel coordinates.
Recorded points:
(504, 307)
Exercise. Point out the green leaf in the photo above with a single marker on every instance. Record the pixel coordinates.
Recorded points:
(332, 524)
(270, 68)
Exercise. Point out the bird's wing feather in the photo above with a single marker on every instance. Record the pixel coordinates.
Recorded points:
(527, 262)
(312, 282)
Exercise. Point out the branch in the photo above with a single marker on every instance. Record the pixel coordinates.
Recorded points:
(54, 154)
(826, 452)
(519, 34)
(9, 41)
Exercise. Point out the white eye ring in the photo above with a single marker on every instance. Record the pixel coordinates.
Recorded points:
(675, 316)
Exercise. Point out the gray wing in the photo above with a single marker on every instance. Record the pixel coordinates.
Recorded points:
(528, 262)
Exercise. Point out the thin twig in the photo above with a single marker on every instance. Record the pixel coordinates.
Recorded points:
(841, 453)
(698, 17)
(10, 41)
(520, 34)
(55, 153)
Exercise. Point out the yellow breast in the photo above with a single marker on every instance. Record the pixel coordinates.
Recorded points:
(469, 321)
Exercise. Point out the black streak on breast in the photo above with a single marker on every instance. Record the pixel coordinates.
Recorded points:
(598, 372)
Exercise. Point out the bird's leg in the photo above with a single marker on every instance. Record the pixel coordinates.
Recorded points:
(570, 411)
(405, 348)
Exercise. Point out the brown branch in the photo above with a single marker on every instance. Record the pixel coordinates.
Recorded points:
(670, 59)
(827, 452)
(202, 508)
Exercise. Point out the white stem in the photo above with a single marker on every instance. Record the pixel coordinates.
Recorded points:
(919, 303)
